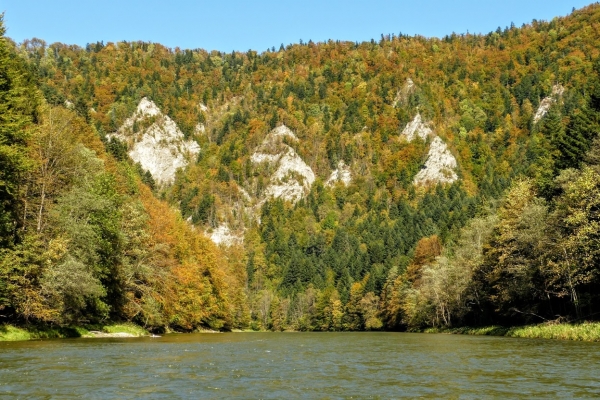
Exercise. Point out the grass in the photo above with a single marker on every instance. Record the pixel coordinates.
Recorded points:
(586, 331)
(13, 333)
(31, 332)
(130, 328)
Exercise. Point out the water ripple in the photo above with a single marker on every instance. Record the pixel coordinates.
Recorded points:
(300, 365)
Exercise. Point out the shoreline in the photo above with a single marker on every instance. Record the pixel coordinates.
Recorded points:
(11, 333)
(583, 332)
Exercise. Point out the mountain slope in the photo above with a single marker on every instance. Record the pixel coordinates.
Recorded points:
(352, 171)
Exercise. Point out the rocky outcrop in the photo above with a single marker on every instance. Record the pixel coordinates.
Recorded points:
(416, 128)
(223, 235)
(200, 128)
(546, 103)
(280, 132)
(155, 141)
(287, 177)
(341, 174)
(402, 94)
(440, 165)
(292, 178)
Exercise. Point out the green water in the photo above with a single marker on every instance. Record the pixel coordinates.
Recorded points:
(300, 365)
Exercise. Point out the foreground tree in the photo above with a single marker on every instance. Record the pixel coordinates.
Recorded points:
(18, 103)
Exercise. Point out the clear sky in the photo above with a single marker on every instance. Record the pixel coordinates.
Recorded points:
(260, 24)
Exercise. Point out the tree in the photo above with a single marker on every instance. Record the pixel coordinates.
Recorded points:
(514, 261)
(87, 218)
(21, 273)
(574, 142)
(18, 103)
(59, 159)
(427, 249)
(369, 306)
(577, 217)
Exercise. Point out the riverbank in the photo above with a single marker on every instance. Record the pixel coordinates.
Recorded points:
(586, 331)
(14, 333)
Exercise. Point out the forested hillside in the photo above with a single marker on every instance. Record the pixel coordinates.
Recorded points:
(396, 183)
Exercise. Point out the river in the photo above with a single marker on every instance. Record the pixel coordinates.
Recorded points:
(300, 365)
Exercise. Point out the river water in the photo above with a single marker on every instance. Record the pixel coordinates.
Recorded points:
(300, 365)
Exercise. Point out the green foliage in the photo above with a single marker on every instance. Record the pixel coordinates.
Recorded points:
(587, 331)
(513, 241)
(117, 149)
(14, 333)
(18, 102)
(21, 272)
(132, 329)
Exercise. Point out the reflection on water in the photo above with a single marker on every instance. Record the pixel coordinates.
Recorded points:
(300, 365)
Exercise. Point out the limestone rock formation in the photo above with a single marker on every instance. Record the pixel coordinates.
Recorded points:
(292, 178)
(341, 174)
(546, 103)
(402, 94)
(155, 141)
(223, 235)
(440, 165)
(416, 128)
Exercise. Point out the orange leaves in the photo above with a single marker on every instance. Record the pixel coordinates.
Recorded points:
(256, 126)
(427, 250)
(194, 291)
(190, 301)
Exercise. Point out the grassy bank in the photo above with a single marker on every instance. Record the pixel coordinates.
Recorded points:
(13, 333)
(132, 329)
(586, 331)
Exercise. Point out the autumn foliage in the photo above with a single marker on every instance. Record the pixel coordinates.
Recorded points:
(86, 236)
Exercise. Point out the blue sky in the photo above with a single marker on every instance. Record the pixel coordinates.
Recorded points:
(258, 25)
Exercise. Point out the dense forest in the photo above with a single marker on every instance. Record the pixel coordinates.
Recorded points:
(397, 183)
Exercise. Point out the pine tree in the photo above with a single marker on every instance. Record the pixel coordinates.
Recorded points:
(575, 140)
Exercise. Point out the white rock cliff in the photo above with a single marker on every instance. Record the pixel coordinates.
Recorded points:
(159, 145)
(402, 94)
(341, 174)
(546, 103)
(223, 235)
(292, 178)
(441, 164)
(416, 128)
